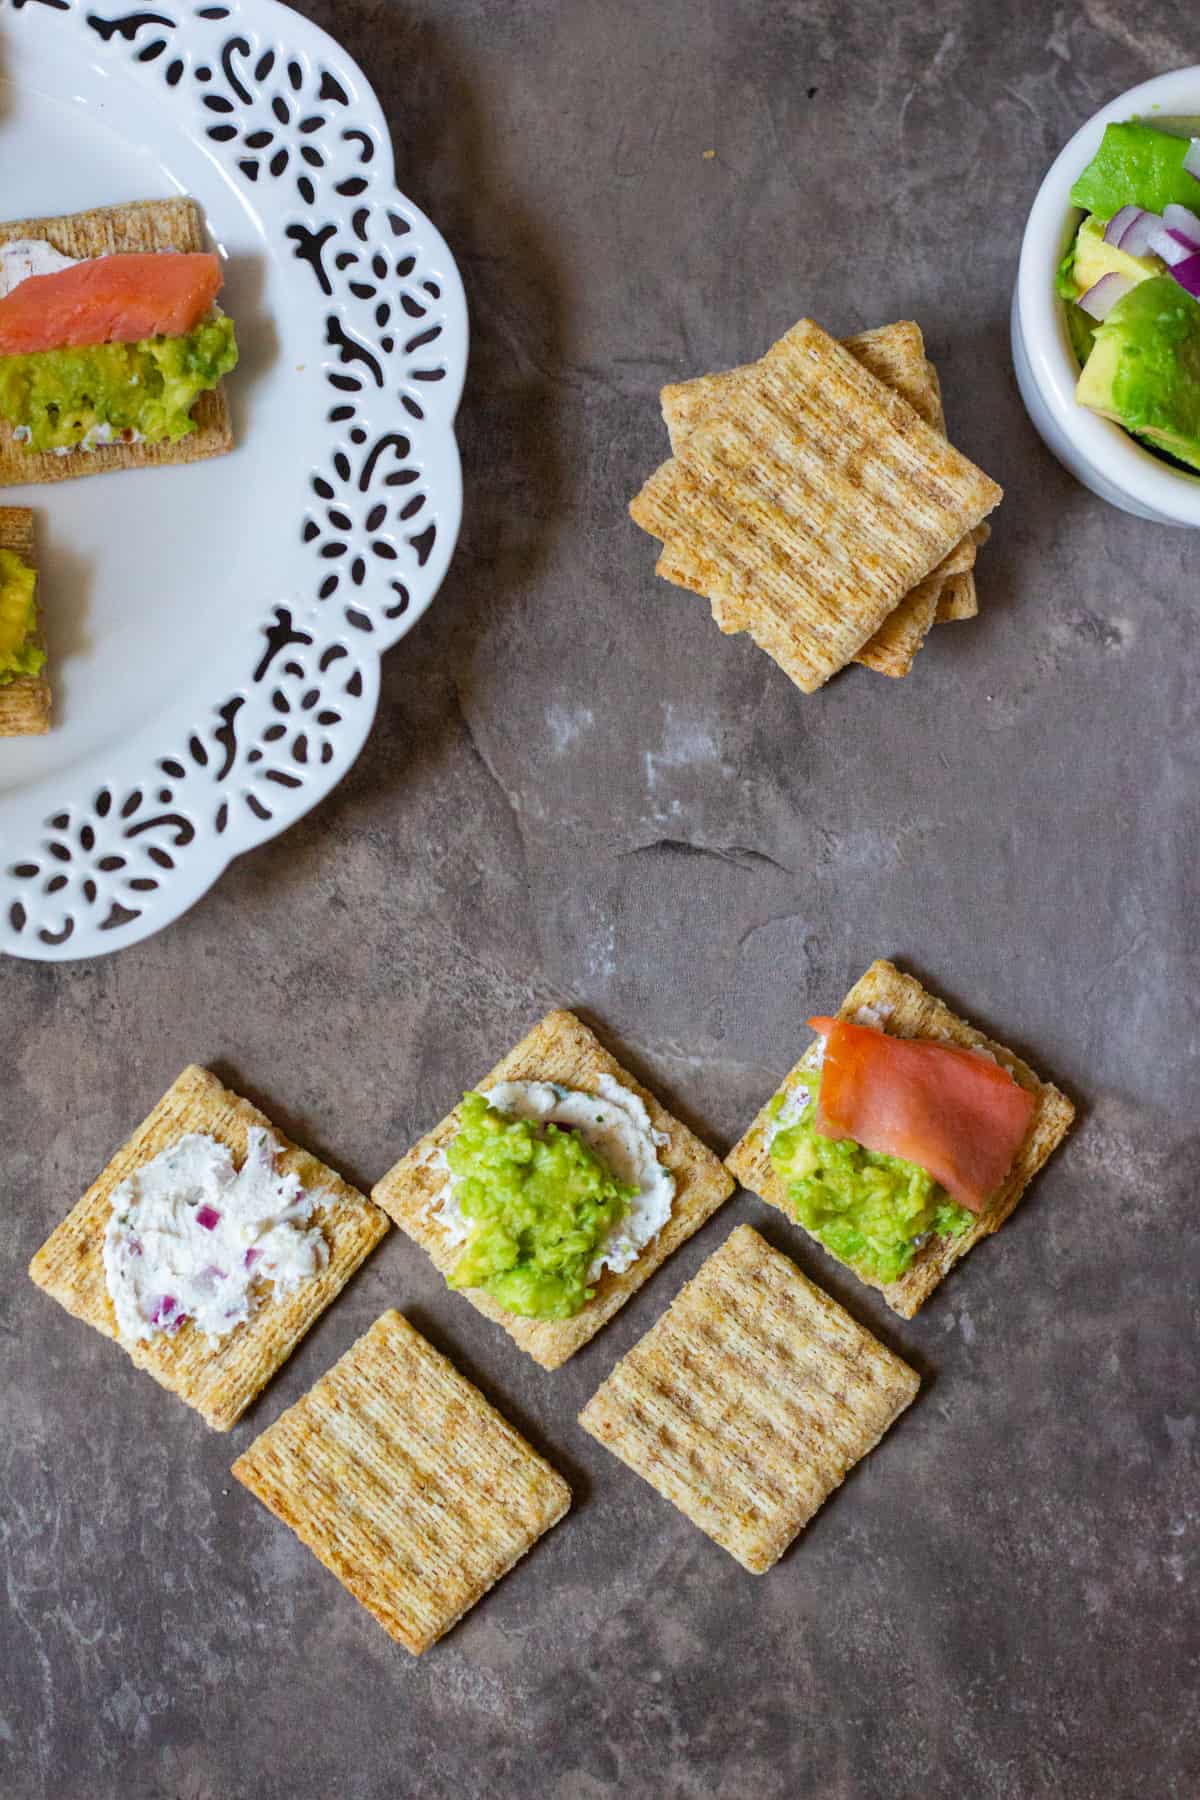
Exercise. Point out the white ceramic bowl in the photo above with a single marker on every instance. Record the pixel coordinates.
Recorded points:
(1102, 456)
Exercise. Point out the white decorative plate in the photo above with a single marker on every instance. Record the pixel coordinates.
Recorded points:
(215, 630)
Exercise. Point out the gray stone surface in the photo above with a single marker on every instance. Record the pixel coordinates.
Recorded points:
(577, 791)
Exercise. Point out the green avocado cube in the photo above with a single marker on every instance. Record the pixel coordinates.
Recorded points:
(1144, 369)
(1136, 166)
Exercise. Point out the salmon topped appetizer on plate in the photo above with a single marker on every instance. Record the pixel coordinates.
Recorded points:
(113, 345)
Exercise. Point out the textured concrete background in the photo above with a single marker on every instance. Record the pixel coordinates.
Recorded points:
(577, 791)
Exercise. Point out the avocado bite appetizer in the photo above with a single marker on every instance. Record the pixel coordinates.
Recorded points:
(1131, 284)
(112, 344)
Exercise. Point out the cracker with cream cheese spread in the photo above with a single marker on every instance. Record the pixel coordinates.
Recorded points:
(405, 1482)
(140, 225)
(24, 701)
(560, 1049)
(905, 1009)
(819, 501)
(218, 1379)
(750, 1400)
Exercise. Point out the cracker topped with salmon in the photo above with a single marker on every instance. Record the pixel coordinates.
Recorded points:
(113, 346)
(902, 1136)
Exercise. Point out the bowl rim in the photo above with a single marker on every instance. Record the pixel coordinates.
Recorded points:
(1103, 445)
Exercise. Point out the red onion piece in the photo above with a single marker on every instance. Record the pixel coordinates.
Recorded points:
(1103, 295)
(1138, 234)
(212, 1273)
(1191, 161)
(1172, 249)
(163, 1310)
(1182, 223)
(250, 1258)
(1187, 274)
(207, 1217)
(1120, 223)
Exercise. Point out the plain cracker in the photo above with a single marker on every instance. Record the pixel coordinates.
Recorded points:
(24, 702)
(218, 1380)
(405, 1482)
(141, 225)
(560, 1049)
(750, 1400)
(908, 1011)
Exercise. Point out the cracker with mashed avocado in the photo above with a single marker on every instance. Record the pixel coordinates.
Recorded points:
(900, 1005)
(895, 355)
(139, 225)
(405, 1482)
(25, 700)
(560, 1049)
(818, 501)
(218, 1379)
(750, 1400)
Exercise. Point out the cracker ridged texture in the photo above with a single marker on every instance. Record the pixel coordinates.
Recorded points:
(908, 1011)
(25, 702)
(750, 1400)
(219, 1380)
(560, 1049)
(398, 1474)
(141, 225)
(958, 599)
(895, 355)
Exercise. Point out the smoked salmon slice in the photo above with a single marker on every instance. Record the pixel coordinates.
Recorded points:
(109, 300)
(955, 1114)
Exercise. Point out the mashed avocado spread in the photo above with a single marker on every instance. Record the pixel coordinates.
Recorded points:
(872, 1211)
(539, 1204)
(19, 653)
(59, 399)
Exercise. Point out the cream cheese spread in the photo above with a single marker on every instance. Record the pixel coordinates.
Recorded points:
(614, 1123)
(24, 257)
(192, 1237)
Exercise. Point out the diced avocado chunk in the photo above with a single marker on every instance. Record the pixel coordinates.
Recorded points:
(1136, 166)
(1095, 259)
(1144, 369)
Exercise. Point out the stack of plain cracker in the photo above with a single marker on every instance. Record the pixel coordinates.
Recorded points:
(814, 499)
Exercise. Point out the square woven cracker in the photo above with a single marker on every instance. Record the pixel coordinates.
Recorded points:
(405, 1482)
(175, 224)
(25, 702)
(560, 1049)
(219, 1380)
(906, 1010)
(750, 1400)
(895, 355)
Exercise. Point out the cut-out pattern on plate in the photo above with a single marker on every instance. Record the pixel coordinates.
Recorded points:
(377, 503)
